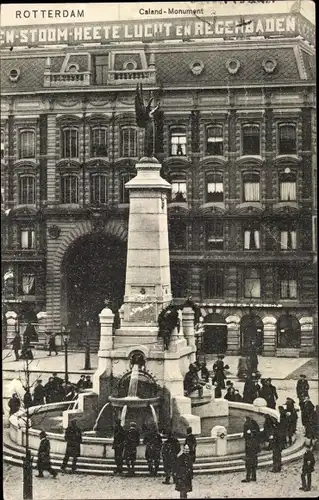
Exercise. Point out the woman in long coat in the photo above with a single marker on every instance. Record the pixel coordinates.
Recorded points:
(184, 473)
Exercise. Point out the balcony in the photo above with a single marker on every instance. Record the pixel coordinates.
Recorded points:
(121, 77)
(23, 255)
(74, 79)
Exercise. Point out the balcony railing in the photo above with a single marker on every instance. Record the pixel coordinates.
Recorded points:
(137, 75)
(82, 79)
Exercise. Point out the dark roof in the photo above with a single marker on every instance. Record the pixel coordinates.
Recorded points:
(173, 68)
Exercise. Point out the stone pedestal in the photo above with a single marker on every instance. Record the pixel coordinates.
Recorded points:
(102, 376)
(42, 328)
(233, 334)
(307, 336)
(12, 325)
(270, 335)
(219, 432)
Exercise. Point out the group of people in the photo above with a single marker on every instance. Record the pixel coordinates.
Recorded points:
(23, 346)
(54, 391)
(176, 463)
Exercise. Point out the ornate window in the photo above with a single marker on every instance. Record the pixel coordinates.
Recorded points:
(251, 238)
(26, 190)
(128, 141)
(214, 236)
(27, 238)
(215, 140)
(214, 283)
(288, 284)
(124, 193)
(178, 141)
(177, 235)
(287, 186)
(251, 139)
(98, 191)
(2, 145)
(251, 183)
(70, 143)
(69, 188)
(27, 144)
(287, 138)
(252, 283)
(288, 238)
(27, 282)
(179, 191)
(98, 141)
(214, 188)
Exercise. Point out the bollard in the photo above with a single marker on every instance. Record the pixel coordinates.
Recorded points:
(219, 432)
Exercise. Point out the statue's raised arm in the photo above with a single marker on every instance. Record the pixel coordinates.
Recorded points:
(145, 119)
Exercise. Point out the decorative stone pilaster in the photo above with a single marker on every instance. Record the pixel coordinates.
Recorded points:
(102, 376)
(42, 328)
(12, 325)
(233, 335)
(307, 335)
(269, 335)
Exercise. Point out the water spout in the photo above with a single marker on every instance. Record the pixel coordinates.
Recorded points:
(154, 416)
(99, 416)
(132, 390)
(123, 415)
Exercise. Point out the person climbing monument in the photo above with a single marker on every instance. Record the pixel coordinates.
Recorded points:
(167, 320)
(192, 382)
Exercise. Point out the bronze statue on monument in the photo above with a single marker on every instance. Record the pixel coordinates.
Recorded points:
(145, 119)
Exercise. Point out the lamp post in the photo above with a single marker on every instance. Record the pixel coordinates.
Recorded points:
(27, 461)
(87, 361)
(65, 340)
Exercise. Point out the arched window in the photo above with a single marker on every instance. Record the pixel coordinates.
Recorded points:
(178, 141)
(27, 144)
(251, 139)
(177, 233)
(287, 138)
(214, 187)
(26, 190)
(179, 190)
(215, 140)
(252, 284)
(69, 189)
(288, 331)
(128, 141)
(288, 187)
(70, 142)
(251, 187)
(251, 331)
(98, 141)
(98, 191)
(124, 193)
(288, 283)
(2, 145)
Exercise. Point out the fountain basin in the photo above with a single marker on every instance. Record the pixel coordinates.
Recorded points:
(133, 402)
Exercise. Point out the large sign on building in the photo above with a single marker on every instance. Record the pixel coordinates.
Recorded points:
(199, 27)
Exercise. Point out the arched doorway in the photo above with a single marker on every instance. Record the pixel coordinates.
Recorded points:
(214, 339)
(251, 330)
(93, 273)
(288, 331)
(28, 322)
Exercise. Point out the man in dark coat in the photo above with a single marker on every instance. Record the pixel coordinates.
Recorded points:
(49, 390)
(192, 381)
(38, 394)
(250, 391)
(57, 388)
(237, 397)
(153, 442)
(52, 345)
(307, 413)
(73, 438)
(118, 447)
(132, 440)
(191, 443)
(268, 428)
(81, 383)
(27, 399)
(307, 468)
(275, 446)
(282, 427)
(16, 345)
(252, 448)
(44, 460)
(271, 403)
(292, 417)
(252, 358)
(87, 383)
(302, 388)
(219, 372)
(204, 373)
(14, 404)
(184, 473)
(230, 394)
(170, 450)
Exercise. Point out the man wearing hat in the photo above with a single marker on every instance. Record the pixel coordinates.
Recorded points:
(219, 373)
(275, 446)
(302, 388)
(170, 450)
(38, 394)
(44, 460)
(252, 448)
(132, 440)
(292, 418)
(307, 469)
(184, 472)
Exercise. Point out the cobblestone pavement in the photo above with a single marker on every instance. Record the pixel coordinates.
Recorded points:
(80, 487)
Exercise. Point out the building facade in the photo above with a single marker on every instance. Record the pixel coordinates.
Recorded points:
(236, 139)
